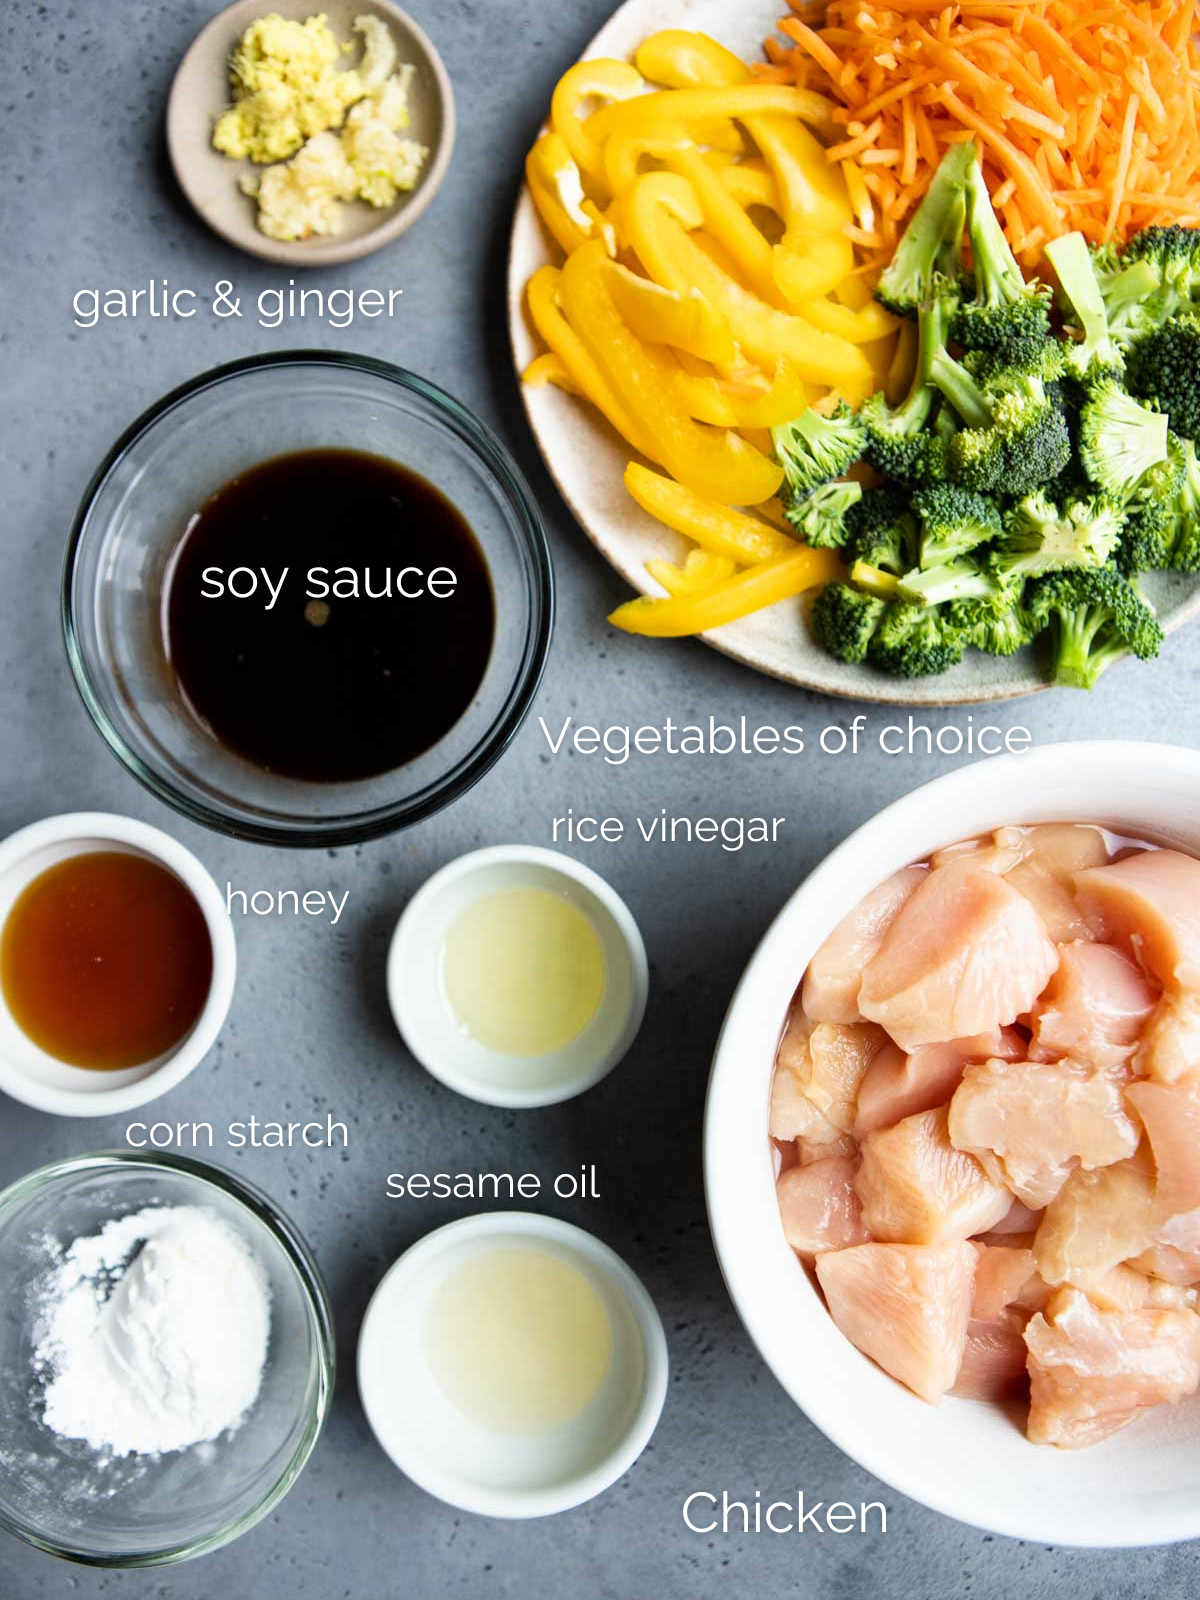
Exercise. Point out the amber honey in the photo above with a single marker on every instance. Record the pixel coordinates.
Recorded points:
(105, 960)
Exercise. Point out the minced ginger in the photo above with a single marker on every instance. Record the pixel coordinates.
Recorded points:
(291, 96)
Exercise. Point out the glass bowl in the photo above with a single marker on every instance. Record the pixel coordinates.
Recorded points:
(137, 508)
(142, 1511)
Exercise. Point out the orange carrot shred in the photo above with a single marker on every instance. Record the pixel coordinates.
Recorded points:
(1087, 115)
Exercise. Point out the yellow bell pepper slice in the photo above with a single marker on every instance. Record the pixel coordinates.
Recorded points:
(701, 571)
(712, 526)
(590, 80)
(751, 186)
(549, 368)
(747, 245)
(557, 191)
(719, 464)
(679, 58)
(824, 264)
(656, 214)
(856, 291)
(813, 191)
(872, 323)
(780, 578)
(542, 294)
(625, 150)
(739, 101)
(735, 404)
(663, 316)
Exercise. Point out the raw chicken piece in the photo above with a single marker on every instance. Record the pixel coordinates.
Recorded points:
(1018, 1219)
(1094, 1007)
(965, 954)
(998, 852)
(1055, 852)
(1170, 1047)
(1170, 1264)
(1092, 1371)
(1122, 1289)
(810, 1150)
(1150, 901)
(1001, 1273)
(817, 1078)
(916, 1188)
(1032, 1123)
(793, 1115)
(905, 1306)
(830, 992)
(1096, 1221)
(1172, 1296)
(819, 1207)
(898, 1086)
(993, 1363)
(1170, 1114)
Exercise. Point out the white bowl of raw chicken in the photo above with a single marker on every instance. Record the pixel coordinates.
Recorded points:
(966, 1458)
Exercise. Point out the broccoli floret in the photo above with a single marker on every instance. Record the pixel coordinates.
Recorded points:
(1006, 311)
(844, 621)
(999, 633)
(1173, 255)
(915, 641)
(1015, 432)
(1157, 277)
(928, 259)
(1119, 438)
(819, 517)
(815, 448)
(954, 521)
(898, 443)
(1041, 536)
(1040, 359)
(882, 530)
(1094, 618)
(957, 580)
(1181, 524)
(1164, 368)
(1096, 352)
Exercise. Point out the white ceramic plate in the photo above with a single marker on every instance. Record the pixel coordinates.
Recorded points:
(586, 458)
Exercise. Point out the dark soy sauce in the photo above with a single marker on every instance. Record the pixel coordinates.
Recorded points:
(340, 687)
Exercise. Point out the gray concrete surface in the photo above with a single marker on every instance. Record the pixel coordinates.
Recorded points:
(88, 201)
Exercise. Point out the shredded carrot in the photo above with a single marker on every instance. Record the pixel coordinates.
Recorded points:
(1088, 116)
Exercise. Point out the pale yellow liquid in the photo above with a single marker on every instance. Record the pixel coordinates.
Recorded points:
(519, 1340)
(523, 971)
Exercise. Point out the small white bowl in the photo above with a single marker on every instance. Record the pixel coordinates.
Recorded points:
(964, 1458)
(465, 1463)
(30, 1074)
(434, 1034)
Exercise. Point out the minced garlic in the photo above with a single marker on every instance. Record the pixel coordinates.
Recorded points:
(293, 98)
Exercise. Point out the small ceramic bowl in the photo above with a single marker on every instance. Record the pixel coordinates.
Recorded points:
(434, 1034)
(462, 1461)
(210, 180)
(963, 1457)
(27, 1072)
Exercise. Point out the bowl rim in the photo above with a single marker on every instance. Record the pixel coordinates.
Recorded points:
(184, 1057)
(819, 900)
(316, 1297)
(409, 928)
(350, 827)
(457, 1489)
(337, 250)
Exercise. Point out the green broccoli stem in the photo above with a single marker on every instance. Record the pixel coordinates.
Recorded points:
(1071, 259)
(998, 278)
(1078, 661)
(959, 387)
(932, 242)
